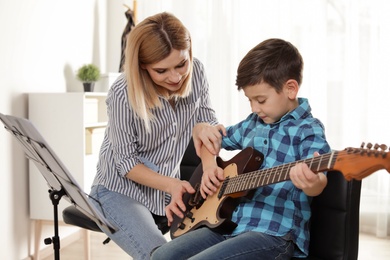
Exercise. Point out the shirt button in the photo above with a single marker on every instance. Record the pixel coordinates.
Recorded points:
(265, 142)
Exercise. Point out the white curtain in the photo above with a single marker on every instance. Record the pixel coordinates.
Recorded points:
(346, 49)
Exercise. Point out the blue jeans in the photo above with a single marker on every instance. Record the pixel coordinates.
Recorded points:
(138, 234)
(205, 244)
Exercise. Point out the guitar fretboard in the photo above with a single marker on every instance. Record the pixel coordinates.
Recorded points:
(255, 179)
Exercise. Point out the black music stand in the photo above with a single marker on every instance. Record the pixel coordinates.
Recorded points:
(60, 181)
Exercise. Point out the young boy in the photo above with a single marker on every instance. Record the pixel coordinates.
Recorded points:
(274, 223)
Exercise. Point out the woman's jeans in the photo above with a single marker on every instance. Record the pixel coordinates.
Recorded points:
(137, 232)
(205, 244)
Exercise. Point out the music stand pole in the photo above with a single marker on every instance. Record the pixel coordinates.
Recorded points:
(57, 176)
(55, 197)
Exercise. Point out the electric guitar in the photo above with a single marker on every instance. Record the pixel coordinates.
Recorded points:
(242, 176)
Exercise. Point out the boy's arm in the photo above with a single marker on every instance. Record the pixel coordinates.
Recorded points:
(212, 174)
(303, 178)
(209, 136)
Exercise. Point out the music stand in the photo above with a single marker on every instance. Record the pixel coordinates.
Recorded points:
(60, 181)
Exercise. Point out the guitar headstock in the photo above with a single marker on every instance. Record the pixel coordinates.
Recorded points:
(358, 163)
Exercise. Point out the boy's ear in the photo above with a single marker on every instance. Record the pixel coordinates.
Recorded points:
(291, 87)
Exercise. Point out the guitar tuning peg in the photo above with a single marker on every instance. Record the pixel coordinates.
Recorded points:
(376, 146)
(362, 145)
(383, 147)
(369, 145)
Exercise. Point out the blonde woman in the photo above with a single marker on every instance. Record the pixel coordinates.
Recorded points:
(152, 109)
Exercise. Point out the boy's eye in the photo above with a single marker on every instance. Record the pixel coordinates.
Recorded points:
(261, 101)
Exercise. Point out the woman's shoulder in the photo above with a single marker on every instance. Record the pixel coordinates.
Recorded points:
(118, 89)
(198, 65)
(198, 72)
(119, 84)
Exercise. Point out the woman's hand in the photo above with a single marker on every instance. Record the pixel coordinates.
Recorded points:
(208, 135)
(177, 189)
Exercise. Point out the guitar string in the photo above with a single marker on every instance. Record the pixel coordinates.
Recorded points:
(279, 173)
(263, 176)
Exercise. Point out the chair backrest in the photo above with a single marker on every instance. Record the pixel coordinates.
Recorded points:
(334, 226)
(189, 162)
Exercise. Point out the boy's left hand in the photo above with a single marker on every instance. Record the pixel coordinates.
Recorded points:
(303, 178)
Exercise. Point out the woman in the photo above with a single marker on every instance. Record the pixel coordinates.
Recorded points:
(152, 109)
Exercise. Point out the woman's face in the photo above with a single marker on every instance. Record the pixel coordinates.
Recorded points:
(170, 72)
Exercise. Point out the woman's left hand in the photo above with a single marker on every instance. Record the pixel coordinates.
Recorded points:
(176, 206)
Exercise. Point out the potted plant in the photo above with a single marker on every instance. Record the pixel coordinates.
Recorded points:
(88, 74)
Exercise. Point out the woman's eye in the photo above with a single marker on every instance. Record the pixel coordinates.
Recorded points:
(181, 65)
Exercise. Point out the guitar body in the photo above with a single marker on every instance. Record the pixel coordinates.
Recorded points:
(242, 176)
(215, 211)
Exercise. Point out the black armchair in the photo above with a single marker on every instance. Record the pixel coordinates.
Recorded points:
(334, 223)
(335, 220)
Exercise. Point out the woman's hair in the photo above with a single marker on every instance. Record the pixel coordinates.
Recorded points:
(273, 61)
(151, 41)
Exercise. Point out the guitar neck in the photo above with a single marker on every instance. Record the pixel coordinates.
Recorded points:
(255, 179)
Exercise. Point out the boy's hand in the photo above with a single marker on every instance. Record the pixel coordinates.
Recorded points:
(303, 178)
(211, 179)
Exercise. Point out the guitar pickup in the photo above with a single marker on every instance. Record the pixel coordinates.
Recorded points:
(196, 199)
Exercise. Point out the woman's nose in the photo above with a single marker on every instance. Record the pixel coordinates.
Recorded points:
(174, 77)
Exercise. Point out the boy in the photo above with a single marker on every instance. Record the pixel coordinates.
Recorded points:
(274, 223)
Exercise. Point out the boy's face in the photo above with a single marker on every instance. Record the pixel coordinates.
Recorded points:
(269, 105)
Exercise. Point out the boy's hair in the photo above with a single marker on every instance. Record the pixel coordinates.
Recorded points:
(151, 41)
(273, 61)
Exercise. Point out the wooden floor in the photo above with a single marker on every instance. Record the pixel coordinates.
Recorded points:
(369, 248)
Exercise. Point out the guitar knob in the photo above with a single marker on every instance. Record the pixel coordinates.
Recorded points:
(189, 214)
(182, 226)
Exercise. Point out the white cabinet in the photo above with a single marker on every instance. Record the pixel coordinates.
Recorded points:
(73, 125)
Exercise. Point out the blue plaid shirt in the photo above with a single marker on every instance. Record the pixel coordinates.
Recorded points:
(278, 209)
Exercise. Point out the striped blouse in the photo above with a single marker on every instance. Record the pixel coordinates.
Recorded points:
(127, 143)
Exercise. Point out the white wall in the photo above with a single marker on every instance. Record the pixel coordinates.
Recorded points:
(43, 42)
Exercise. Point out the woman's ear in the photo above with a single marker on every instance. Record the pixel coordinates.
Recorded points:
(291, 87)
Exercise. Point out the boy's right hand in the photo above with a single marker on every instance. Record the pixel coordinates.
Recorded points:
(211, 180)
